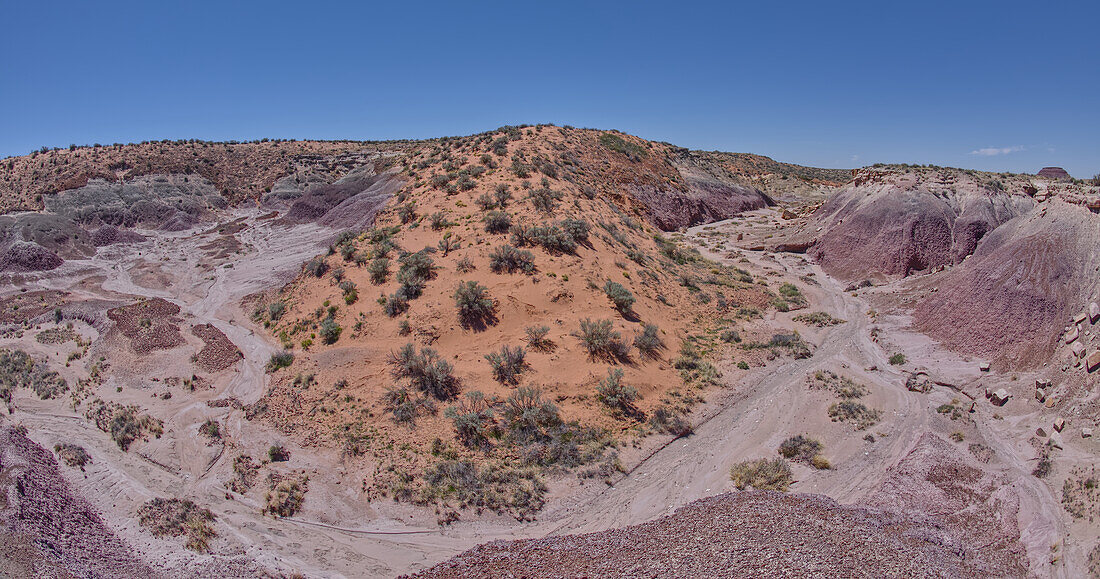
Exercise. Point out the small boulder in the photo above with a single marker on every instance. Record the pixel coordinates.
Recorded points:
(1072, 335)
(1086, 433)
(1093, 361)
(984, 366)
(1040, 394)
(1080, 318)
(1078, 350)
(1049, 402)
(1059, 424)
(999, 397)
(1041, 432)
(1094, 312)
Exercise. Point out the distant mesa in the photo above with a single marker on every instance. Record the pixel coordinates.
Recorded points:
(1054, 173)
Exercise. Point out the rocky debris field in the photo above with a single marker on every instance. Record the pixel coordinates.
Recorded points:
(218, 353)
(60, 529)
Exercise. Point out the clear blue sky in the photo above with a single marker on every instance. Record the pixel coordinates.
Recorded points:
(992, 85)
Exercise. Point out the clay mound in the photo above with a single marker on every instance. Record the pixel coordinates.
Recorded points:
(887, 224)
(350, 202)
(1011, 299)
(708, 198)
(1054, 173)
(110, 235)
(26, 256)
(219, 352)
(150, 324)
(46, 527)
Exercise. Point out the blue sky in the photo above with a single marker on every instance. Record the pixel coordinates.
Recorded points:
(990, 85)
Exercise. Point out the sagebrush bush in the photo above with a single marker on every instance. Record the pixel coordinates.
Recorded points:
(278, 453)
(601, 340)
(395, 305)
(649, 341)
(502, 195)
(473, 419)
(425, 370)
(544, 199)
(316, 267)
(406, 406)
(577, 229)
(329, 330)
(614, 394)
(497, 222)
(275, 310)
(508, 259)
(280, 360)
(473, 303)
(619, 295)
(508, 364)
(536, 337)
(527, 415)
(406, 213)
(379, 270)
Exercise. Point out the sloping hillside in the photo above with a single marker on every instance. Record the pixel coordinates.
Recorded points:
(509, 289)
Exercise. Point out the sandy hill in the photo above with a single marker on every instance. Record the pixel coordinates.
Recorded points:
(585, 302)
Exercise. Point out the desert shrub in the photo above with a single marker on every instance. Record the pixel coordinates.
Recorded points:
(507, 259)
(329, 330)
(614, 394)
(508, 364)
(502, 195)
(792, 294)
(762, 474)
(464, 265)
(280, 360)
(528, 417)
(793, 343)
(669, 420)
(285, 497)
(649, 341)
(244, 474)
(473, 418)
(176, 517)
(438, 221)
(520, 235)
(544, 199)
(618, 144)
(278, 453)
(316, 267)
(601, 340)
(72, 454)
(406, 406)
(855, 413)
(395, 305)
(536, 337)
(1045, 464)
(820, 462)
(485, 202)
(275, 310)
(552, 239)
(619, 295)
(415, 271)
(497, 486)
(800, 448)
(730, 336)
(497, 222)
(379, 270)
(693, 368)
(449, 243)
(426, 371)
(351, 292)
(577, 229)
(211, 429)
(819, 319)
(897, 359)
(19, 370)
(406, 213)
(124, 424)
(474, 304)
(842, 386)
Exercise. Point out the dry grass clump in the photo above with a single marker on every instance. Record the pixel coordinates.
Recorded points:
(762, 474)
(286, 495)
(175, 517)
(801, 448)
(818, 319)
(842, 386)
(72, 454)
(19, 370)
(125, 424)
(245, 471)
(855, 413)
(1081, 494)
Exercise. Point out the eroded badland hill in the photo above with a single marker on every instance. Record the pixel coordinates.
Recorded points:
(611, 356)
